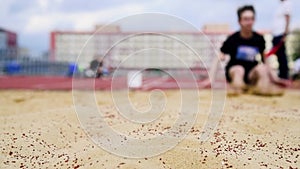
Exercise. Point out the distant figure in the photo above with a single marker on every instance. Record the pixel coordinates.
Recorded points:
(296, 74)
(280, 30)
(95, 69)
(96, 66)
(243, 70)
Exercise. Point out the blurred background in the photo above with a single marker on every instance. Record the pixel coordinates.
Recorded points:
(43, 38)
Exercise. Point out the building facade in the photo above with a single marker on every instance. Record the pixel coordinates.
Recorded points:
(144, 49)
(8, 44)
(136, 49)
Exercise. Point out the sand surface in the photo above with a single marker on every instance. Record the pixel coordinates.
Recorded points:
(40, 129)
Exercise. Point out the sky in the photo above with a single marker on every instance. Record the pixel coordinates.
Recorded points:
(33, 20)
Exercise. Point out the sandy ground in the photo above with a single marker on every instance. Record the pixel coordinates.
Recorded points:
(40, 129)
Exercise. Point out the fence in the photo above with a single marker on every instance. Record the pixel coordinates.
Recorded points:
(29, 67)
(66, 51)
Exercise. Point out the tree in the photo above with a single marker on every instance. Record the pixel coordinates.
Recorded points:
(296, 44)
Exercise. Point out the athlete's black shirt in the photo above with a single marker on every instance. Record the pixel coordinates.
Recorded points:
(243, 51)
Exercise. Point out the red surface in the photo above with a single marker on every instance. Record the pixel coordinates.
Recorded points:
(66, 83)
(47, 83)
(52, 46)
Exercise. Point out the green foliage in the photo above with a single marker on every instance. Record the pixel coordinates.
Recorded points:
(296, 44)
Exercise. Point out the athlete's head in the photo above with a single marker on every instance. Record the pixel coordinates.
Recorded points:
(246, 17)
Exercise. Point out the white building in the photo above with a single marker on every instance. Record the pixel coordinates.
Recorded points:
(136, 49)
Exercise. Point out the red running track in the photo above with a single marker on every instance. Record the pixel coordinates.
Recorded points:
(67, 83)
(47, 83)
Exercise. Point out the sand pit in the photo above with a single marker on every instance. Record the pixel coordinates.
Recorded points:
(40, 129)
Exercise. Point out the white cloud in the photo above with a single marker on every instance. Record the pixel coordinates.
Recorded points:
(79, 20)
(36, 18)
(105, 16)
(43, 4)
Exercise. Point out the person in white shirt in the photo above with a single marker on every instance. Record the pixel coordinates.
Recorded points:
(296, 69)
(280, 30)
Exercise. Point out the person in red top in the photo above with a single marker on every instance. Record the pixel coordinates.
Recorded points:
(243, 47)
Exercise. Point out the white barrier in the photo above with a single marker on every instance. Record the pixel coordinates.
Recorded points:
(134, 79)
